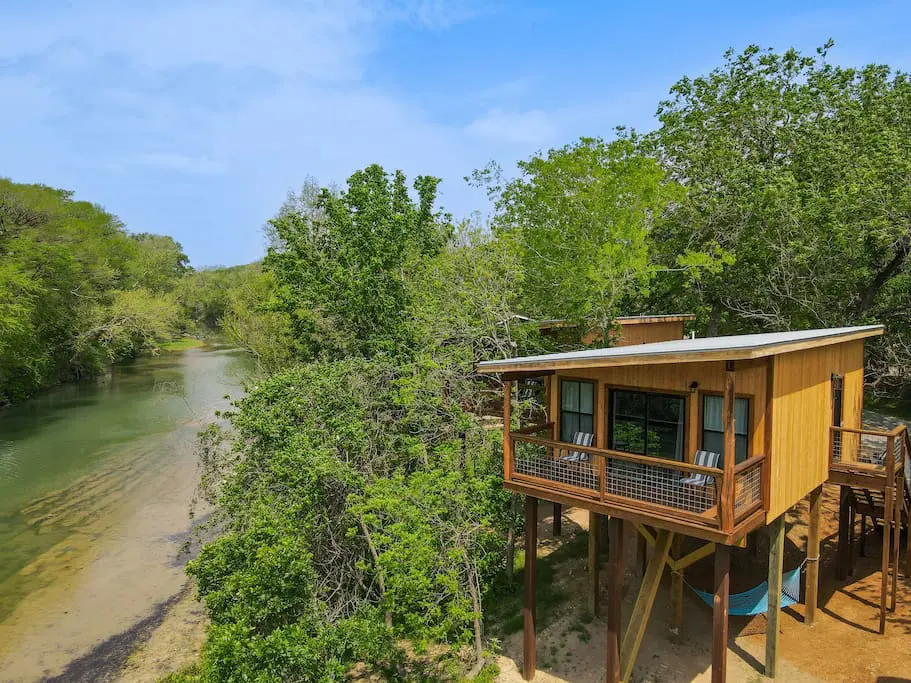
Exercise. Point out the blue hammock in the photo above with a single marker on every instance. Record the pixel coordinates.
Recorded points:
(756, 600)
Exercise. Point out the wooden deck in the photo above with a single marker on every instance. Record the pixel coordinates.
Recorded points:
(872, 467)
(643, 489)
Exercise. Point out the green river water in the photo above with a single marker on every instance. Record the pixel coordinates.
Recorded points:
(95, 485)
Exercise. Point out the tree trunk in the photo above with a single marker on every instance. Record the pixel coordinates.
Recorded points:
(883, 276)
(379, 572)
(475, 592)
(714, 320)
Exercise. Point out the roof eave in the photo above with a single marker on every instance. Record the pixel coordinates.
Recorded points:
(494, 367)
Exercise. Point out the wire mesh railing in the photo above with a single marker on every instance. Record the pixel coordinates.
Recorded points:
(748, 487)
(690, 491)
(868, 447)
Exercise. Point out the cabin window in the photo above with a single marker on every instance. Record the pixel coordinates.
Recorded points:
(647, 423)
(713, 426)
(577, 408)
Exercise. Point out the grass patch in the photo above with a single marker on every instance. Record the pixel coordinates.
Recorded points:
(182, 344)
(505, 607)
(893, 407)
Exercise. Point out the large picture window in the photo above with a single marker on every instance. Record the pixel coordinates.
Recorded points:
(648, 423)
(713, 426)
(577, 408)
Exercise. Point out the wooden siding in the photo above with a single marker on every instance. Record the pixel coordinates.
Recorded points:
(649, 332)
(750, 383)
(802, 415)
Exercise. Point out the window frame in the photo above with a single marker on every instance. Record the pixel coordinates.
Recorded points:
(750, 399)
(594, 413)
(648, 392)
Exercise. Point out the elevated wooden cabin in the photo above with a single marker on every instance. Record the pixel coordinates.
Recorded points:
(779, 409)
(631, 329)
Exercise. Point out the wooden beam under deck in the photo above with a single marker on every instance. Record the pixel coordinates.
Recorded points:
(614, 598)
(642, 515)
(813, 554)
(594, 538)
(635, 630)
(720, 613)
(773, 623)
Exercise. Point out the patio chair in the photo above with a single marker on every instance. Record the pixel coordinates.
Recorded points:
(703, 459)
(579, 439)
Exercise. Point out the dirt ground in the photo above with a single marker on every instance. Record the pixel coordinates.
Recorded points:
(173, 646)
(843, 645)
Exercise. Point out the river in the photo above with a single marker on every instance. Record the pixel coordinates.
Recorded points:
(96, 481)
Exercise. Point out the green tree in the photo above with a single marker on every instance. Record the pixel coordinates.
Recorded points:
(340, 268)
(798, 169)
(580, 218)
(74, 287)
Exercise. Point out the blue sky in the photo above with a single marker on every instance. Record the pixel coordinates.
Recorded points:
(194, 118)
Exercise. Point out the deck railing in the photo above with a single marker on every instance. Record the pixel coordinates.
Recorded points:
(676, 490)
(867, 450)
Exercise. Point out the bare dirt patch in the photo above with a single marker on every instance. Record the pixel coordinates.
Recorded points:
(843, 645)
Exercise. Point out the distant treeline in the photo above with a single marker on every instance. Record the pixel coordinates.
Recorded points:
(79, 292)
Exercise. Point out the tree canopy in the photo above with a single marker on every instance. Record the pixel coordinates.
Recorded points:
(77, 291)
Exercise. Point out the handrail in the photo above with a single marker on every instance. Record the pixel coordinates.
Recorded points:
(861, 430)
(748, 463)
(620, 455)
(532, 429)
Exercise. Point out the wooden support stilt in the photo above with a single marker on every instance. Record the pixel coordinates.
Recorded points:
(813, 553)
(594, 540)
(896, 537)
(642, 553)
(841, 557)
(720, 613)
(614, 598)
(773, 624)
(644, 602)
(530, 611)
(558, 520)
(888, 495)
(852, 515)
(677, 586)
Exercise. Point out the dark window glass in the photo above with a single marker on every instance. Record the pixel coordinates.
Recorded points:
(577, 408)
(713, 426)
(647, 424)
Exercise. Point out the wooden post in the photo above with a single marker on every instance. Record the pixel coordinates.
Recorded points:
(638, 620)
(813, 553)
(548, 388)
(594, 539)
(730, 444)
(773, 624)
(614, 598)
(841, 557)
(720, 613)
(888, 495)
(529, 612)
(507, 421)
(896, 533)
(767, 432)
(558, 520)
(642, 553)
(677, 587)
(852, 517)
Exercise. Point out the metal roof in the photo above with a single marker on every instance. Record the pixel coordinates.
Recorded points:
(734, 347)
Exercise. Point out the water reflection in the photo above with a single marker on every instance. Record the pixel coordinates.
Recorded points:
(105, 465)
